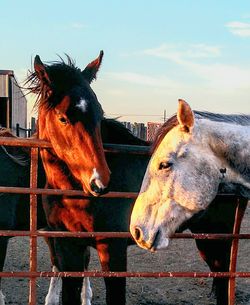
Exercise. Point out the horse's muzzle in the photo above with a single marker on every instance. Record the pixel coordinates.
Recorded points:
(154, 243)
(98, 189)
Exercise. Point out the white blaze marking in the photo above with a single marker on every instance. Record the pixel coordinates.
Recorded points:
(97, 179)
(55, 287)
(86, 294)
(82, 105)
(2, 297)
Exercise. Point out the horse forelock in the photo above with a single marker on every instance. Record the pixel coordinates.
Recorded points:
(63, 76)
(165, 128)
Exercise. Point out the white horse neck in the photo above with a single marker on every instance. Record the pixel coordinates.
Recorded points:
(231, 143)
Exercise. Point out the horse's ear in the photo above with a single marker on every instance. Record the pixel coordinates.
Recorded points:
(185, 116)
(41, 72)
(89, 73)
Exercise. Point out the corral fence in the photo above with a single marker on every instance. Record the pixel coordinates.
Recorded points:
(26, 132)
(33, 274)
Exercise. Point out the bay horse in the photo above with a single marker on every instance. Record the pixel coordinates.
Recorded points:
(195, 155)
(70, 118)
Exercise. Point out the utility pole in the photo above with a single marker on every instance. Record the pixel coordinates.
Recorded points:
(164, 116)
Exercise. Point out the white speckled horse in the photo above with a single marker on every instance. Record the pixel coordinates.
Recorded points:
(200, 154)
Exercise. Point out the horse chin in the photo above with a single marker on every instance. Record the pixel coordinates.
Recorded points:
(88, 192)
(161, 242)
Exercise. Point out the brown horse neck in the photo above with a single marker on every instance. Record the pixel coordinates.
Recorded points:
(55, 171)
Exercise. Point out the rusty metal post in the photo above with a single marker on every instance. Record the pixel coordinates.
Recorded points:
(239, 213)
(33, 226)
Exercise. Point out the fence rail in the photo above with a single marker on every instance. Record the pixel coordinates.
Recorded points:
(34, 233)
(41, 274)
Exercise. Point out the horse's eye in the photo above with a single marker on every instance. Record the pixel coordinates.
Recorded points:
(165, 165)
(63, 120)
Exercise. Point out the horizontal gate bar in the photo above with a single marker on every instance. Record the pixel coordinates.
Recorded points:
(41, 233)
(43, 274)
(67, 234)
(110, 148)
(59, 192)
(8, 141)
(77, 193)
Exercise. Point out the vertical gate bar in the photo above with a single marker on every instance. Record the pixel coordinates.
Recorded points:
(239, 213)
(33, 225)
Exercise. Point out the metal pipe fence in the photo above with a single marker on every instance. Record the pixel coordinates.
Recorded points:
(33, 274)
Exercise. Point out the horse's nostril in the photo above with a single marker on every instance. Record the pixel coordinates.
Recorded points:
(96, 188)
(137, 234)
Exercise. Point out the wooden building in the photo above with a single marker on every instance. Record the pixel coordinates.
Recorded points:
(13, 103)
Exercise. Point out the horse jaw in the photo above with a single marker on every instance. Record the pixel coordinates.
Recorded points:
(157, 223)
(175, 217)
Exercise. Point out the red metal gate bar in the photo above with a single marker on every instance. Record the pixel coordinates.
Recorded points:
(110, 148)
(8, 141)
(41, 233)
(166, 274)
(59, 192)
(33, 225)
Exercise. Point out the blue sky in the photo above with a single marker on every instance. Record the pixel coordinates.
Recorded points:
(154, 51)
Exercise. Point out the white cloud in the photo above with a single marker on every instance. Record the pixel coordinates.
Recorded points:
(145, 80)
(215, 74)
(221, 75)
(205, 81)
(191, 51)
(78, 25)
(241, 29)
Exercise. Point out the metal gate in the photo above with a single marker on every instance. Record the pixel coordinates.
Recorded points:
(33, 233)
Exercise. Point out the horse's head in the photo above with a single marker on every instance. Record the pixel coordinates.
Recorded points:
(182, 178)
(70, 117)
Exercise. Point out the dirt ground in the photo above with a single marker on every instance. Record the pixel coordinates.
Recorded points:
(181, 255)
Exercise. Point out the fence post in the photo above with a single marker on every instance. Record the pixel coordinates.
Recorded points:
(239, 213)
(33, 225)
(17, 130)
